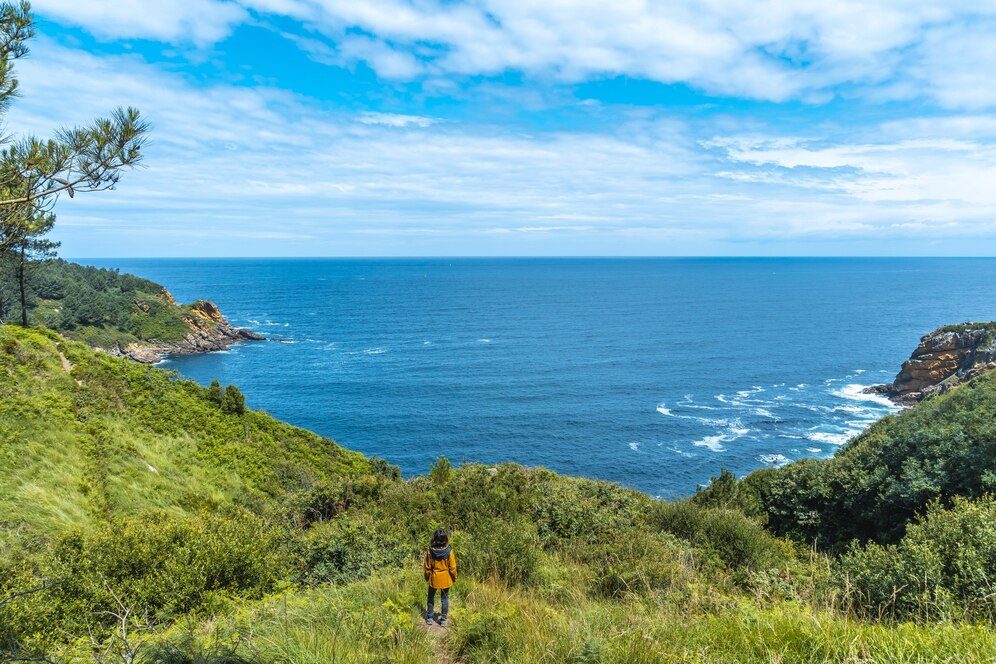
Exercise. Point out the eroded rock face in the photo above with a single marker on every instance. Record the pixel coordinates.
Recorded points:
(209, 331)
(946, 357)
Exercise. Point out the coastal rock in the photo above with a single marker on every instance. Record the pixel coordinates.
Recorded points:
(209, 331)
(946, 357)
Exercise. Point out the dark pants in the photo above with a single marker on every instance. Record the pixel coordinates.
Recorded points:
(444, 601)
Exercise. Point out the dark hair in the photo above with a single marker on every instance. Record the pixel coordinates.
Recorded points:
(440, 538)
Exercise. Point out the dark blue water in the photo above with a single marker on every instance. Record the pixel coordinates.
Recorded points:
(655, 373)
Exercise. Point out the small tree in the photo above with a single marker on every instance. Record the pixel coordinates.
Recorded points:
(214, 392)
(31, 250)
(233, 402)
(441, 471)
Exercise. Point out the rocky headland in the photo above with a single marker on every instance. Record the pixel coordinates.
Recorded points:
(209, 331)
(946, 357)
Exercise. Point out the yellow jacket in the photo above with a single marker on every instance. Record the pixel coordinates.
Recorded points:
(440, 568)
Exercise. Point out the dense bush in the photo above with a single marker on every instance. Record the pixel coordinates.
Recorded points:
(233, 401)
(327, 499)
(502, 549)
(740, 543)
(148, 571)
(725, 491)
(942, 569)
(637, 561)
(583, 508)
(943, 448)
(350, 548)
(478, 493)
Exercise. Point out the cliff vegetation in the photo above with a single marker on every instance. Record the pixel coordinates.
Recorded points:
(148, 519)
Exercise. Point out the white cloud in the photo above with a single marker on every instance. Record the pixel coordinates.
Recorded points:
(395, 119)
(235, 170)
(957, 65)
(199, 21)
(773, 50)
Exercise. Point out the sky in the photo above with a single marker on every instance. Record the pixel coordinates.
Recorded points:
(516, 127)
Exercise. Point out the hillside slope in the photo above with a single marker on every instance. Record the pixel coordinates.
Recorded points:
(85, 436)
(147, 519)
(121, 313)
(942, 448)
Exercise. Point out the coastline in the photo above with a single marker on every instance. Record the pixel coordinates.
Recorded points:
(210, 331)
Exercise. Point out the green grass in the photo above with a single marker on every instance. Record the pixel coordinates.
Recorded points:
(226, 537)
(112, 437)
(378, 619)
(969, 327)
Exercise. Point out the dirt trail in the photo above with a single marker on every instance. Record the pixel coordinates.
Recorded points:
(438, 636)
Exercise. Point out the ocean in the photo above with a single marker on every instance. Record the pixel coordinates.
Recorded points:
(654, 373)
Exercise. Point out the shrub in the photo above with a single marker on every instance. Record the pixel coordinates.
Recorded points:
(214, 392)
(441, 471)
(349, 549)
(233, 401)
(566, 510)
(740, 543)
(725, 491)
(637, 562)
(327, 499)
(496, 548)
(943, 568)
(383, 468)
(475, 493)
(160, 567)
(881, 480)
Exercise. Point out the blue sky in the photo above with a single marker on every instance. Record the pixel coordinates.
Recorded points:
(568, 127)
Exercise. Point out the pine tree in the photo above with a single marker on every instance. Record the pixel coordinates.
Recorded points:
(31, 250)
(35, 172)
(214, 392)
(441, 471)
(233, 402)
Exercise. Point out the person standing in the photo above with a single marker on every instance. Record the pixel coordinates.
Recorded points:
(440, 573)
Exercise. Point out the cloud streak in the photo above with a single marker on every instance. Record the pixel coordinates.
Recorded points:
(776, 50)
(240, 170)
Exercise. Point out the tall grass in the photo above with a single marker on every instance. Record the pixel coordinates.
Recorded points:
(377, 620)
(161, 527)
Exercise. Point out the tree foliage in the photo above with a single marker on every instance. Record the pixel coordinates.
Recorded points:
(34, 172)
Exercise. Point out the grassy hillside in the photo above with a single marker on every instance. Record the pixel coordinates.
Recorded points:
(874, 486)
(101, 307)
(147, 519)
(86, 437)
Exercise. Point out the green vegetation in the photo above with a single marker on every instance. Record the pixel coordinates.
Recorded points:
(34, 173)
(145, 520)
(882, 479)
(86, 438)
(969, 327)
(103, 308)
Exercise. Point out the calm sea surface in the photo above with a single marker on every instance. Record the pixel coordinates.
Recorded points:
(655, 373)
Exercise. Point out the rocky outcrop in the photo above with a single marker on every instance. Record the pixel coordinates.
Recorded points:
(209, 331)
(946, 357)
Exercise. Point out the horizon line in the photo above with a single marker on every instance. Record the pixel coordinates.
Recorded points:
(541, 257)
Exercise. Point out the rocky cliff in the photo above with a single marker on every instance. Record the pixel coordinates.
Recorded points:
(946, 357)
(209, 331)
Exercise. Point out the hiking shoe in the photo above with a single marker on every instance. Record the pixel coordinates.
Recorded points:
(428, 620)
(442, 621)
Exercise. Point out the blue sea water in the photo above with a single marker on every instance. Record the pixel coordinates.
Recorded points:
(655, 373)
